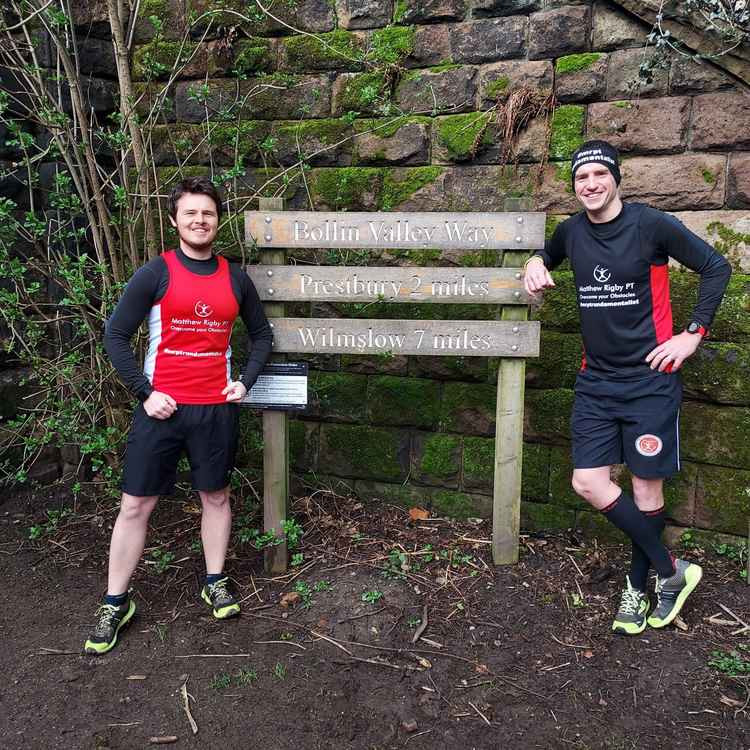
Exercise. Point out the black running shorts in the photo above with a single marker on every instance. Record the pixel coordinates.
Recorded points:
(630, 422)
(207, 433)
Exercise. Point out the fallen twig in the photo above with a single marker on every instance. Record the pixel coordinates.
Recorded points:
(568, 645)
(486, 720)
(422, 626)
(186, 706)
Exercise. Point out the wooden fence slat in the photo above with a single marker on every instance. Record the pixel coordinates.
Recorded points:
(466, 338)
(275, 435)
(439, 230)
(373, 284)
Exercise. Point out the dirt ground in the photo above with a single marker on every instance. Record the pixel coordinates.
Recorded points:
(512, 657)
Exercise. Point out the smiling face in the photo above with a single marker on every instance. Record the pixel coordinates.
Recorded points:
(196, 222)
(597, 192)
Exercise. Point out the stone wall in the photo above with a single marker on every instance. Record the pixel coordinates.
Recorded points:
(419, 430)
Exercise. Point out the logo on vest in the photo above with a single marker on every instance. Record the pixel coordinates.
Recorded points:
(202, 310)
(601, 274)
(648, 445)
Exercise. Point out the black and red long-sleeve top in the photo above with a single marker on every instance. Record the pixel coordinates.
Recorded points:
(621, 275)
(191, 306)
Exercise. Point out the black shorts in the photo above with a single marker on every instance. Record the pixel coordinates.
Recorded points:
(630, 422)
(206, 432)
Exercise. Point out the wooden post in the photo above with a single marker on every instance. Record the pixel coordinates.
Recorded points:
(506, 493)
(747, 553)
(275, 435)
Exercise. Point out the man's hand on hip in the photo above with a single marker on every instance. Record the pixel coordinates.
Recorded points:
(536, 277)
(674, 351)
(159, 405)
(235, 390)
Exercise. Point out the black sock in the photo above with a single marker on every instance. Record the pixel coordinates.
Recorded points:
(116, 600)
(639, 562)
(213, 578)
(624, 514)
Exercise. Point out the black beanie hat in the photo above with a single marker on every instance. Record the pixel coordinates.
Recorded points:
(600, 152)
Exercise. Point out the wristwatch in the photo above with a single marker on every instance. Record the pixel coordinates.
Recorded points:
(694, 327)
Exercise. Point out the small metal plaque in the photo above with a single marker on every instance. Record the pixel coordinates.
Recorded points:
(280, 386)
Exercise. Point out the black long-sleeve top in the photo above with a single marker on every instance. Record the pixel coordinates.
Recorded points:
(621, 276)
(146, 288)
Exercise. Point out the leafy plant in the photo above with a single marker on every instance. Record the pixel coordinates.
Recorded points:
(246, 677)
(279, 671)
(50, 526)
(162, 559)
(371, 597)
(220, 681)
(732, 663)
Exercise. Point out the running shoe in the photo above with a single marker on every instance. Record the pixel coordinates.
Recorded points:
(673, 591)
(110, 621)
(220, 599)
(634, 606)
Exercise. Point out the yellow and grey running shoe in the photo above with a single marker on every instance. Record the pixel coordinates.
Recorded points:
(631, 617)
(221, 600)
(110, 621)
(673, 591)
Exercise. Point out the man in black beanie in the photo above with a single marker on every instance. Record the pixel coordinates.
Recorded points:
(628, 391)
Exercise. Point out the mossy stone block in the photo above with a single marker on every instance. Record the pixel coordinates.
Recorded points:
(479, 464)
(460, 137)
(560, 474)
(559, 307)
(436, 459)
(537, 517)
(558, 363)
(391, 45)
(400, 184)
(715, 434)
(405, 496)
(339, 396)
(566, 130)
(450, 368)
(336, 50)
(723, 499)
(250, 441)
(364, 452)
(593, 524)
(575, 63)
(253, 55)
(719, 372)
(346, 189)
(468, 408)
(535, 471)
(680, 493)
(366, 93)
(547, 414)
(403, 401)
(461, 504)
(304, 442)
(376, 364)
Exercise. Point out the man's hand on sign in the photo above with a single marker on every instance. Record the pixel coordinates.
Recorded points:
(536, 277)
(235, 390)
(159, 405)
(673, 352)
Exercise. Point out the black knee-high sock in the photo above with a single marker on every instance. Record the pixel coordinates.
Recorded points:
(624, 514)
(639, 562)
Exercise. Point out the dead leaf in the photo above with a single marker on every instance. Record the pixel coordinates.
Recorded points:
(419, 514)
(587, 654)
(136, 677)
(290, 599)
(482, 669)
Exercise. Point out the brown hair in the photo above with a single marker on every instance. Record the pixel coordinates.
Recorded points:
(199, 185)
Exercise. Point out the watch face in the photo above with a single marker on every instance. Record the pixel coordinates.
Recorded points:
(693, 327)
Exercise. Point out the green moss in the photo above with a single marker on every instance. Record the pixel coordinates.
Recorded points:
(391, 44)
(246, 135)
(559, 360)
(535, 471)
(708, 176)
(548, 413)
(574, 63)
(158, 8)
(343, 188)
(716, 435)
(404, 496)
(362, 92)
(399, 10)
(339, 395)
(442, 68)
(550, 224)
(479, 462)
(564, 174)
(439, 456)
(388, 127)
(468, 408)
(495, 89)
(542, 517)
(403, 401)
(729, 241)
(400, 185)
(622, 104)
(464, 135)
(157, 58)
(566, 131)
(251, 56)
(325, 131)
(454, 504)
(303, 444)
(333, 50)
(364, 451)
(719, 372)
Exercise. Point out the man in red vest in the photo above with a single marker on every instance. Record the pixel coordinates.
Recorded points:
(189, 401)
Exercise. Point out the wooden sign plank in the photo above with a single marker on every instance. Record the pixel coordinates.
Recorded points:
(369, 284)
(447, 231)
(433, 337)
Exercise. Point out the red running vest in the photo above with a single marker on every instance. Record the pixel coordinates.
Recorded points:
(189, 330)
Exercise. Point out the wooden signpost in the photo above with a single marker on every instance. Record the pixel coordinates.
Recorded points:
(512, 339)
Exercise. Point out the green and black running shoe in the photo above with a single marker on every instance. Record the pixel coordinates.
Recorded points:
(110, 620)
(673, 591)
(221, 600)
(634, 606)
